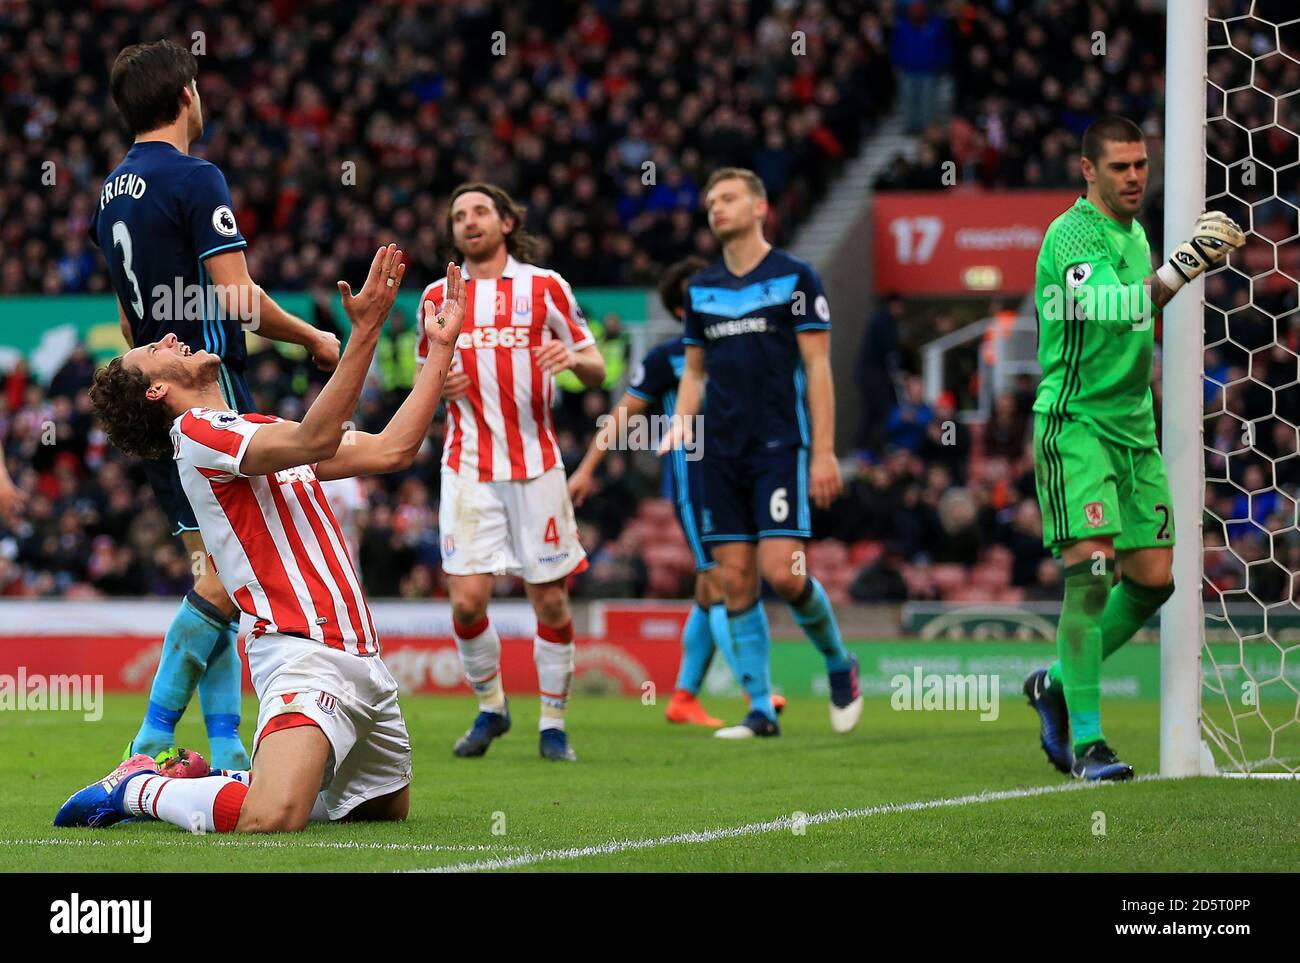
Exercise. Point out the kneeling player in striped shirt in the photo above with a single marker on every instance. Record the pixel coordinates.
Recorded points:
(330, 741)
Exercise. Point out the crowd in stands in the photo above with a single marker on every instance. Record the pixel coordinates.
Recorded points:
(1027, 79)
(942, 510)
(340, 125)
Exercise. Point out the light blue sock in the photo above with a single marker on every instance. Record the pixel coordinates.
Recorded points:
(186, 647)
(753, 643)
(720, 626)
(219, 695)
(812, 610)
(697, 650)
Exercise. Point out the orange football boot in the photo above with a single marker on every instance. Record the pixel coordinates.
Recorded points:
(686, 708)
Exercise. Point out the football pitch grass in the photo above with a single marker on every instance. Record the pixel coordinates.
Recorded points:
(908, 791)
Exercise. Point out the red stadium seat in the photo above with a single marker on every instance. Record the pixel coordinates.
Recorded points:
(864, 553)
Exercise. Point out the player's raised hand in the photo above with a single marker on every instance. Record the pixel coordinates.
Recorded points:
(824, 481)
(368, 309)
(442, 324)
(1215, 236)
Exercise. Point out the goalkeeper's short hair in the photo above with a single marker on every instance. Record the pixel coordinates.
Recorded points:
(1110, 128)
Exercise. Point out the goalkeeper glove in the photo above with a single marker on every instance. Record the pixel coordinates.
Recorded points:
(1215, 235)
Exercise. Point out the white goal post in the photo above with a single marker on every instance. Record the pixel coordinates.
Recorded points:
(1232, 143)
(1182, 620)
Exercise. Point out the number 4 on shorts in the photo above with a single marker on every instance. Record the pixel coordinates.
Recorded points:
(552, 536)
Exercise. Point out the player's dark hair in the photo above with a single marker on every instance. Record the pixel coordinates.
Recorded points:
(519, 243)
(1109, 128)
(672, 286)
(146, 82)
(134, 424)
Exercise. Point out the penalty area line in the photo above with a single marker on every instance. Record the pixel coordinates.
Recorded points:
(784, 823)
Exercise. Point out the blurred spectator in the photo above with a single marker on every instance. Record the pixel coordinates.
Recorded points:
(919, 50)
(1006, 432)
(907, 422)
(395, 354)
(882, 580)
(876, 369)
(959, 518)
(1025, 539)
(1046, 586)
(947, 441)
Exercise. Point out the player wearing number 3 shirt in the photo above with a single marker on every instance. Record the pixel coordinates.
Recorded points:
(504, 505)
(166, 225)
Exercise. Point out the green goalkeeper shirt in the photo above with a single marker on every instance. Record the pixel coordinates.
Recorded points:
(1095, 330)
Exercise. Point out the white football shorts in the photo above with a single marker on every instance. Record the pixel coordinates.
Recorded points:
(521, 528)
(352, 698)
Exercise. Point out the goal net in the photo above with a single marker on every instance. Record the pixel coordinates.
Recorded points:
(1249, 687)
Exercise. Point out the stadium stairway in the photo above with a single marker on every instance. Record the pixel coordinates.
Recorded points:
(836, 239)
(824, 233)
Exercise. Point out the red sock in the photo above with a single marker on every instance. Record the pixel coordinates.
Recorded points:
(227, 806)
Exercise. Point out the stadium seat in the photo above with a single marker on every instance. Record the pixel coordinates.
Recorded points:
(864, 553)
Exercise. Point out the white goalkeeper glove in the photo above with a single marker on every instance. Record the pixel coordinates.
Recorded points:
(1215, 236)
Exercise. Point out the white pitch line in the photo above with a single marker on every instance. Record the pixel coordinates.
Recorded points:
(247, 842)
(752, 829)
(1260, 775)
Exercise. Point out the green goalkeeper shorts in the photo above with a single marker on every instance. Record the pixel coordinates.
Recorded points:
(1089, 487)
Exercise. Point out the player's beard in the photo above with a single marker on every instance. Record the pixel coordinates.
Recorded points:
(733, 232)
(484, 247)
(195, 372)
(1121, 204)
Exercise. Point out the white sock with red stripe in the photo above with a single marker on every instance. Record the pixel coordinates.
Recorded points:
(480, 654)
(553, 654)
(204, 805)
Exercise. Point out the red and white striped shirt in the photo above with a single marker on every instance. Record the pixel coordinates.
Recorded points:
(503, 428)
(276, 545)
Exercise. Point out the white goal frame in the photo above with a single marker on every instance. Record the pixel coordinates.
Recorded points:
(1185, 729)
(1182, 619)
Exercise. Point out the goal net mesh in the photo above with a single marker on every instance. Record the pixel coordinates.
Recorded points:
(1250, 700)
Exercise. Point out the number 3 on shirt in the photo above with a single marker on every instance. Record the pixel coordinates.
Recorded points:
(552, 536)
(122, 239)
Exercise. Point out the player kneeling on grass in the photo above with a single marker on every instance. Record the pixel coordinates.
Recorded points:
(1100, 476)
(330, 740)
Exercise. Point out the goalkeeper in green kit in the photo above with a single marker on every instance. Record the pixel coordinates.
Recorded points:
(1101, 480)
